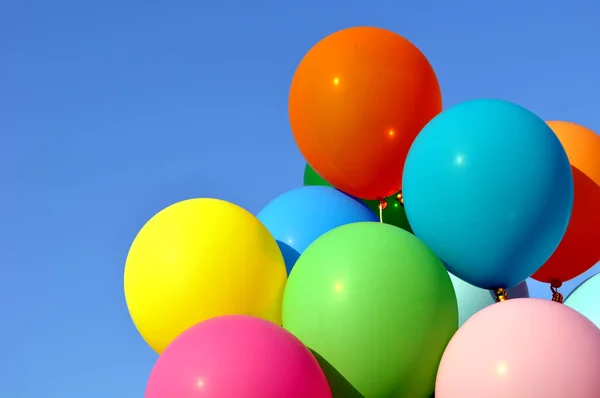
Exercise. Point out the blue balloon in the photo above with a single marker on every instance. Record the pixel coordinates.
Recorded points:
(488, 187)
(472, 299)
(298, 217)
(585, 299)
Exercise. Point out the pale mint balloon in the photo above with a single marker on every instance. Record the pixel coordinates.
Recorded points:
(585, 299)
(472, 299)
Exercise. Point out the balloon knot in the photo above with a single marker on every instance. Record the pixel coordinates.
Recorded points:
(556, 296)
(500, 294)
(400, 198)
(556, 283)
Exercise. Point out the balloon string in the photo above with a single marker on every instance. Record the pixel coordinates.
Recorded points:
(500, 294)
(556, 296)
(382, 205)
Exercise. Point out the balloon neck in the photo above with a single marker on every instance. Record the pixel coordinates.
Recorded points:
(500, 294)
(382, 206)
(556, 296)
(400, 198)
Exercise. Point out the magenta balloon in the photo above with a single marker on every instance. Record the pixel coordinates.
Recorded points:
(237, 356)
(555, 352)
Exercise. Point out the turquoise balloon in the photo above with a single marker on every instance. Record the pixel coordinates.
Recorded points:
(585, 299)
(472, 299)
(488, 187)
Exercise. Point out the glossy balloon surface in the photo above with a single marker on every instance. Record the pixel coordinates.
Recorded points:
(377, 305)
(237, 356)
(488, 187)
(486, 361)
(357, 101)
(199, 259)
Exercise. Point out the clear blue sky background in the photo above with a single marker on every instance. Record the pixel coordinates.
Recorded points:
(112, 110)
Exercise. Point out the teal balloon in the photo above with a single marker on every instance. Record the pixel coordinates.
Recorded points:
(472, 299)
(585, 299)
(488, 187)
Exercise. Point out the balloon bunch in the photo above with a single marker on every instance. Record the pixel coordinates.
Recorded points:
(399, 269)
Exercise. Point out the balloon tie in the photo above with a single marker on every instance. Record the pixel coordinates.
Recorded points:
(400, 198)
(556, 296)
(382, 205)
(500, 294)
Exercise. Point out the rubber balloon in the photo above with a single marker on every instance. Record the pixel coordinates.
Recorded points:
(556, 353)
(237, 356)
(579, 249)
(392, 213)
(582, 146)
(357, 101)
(298, 217)
(377, 305)
(311, 178)
(586, 299)
(472, 299)
(199, 259)
(488, 187)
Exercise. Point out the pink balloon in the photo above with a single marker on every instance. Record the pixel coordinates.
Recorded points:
(522, 348)
(237, 356)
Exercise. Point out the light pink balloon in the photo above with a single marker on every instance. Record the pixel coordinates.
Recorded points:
(522, 348)
(237, 356)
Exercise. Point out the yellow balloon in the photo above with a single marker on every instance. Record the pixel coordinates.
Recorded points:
(199, 259)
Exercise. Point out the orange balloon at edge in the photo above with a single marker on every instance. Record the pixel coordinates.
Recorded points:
(357, 101)
(582, 146)
(579, 249)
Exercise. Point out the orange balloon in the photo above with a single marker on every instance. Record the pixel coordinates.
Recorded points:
(579, 250)
(582, 146)
(357, 101)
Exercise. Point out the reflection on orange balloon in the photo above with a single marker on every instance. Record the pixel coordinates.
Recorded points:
(579, 250)
(357, 101)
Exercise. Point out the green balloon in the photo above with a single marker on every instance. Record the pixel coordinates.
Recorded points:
(393, 214)
(312, 178)
(376, 305)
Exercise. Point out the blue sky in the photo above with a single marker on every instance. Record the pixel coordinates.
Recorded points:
(110, 111)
